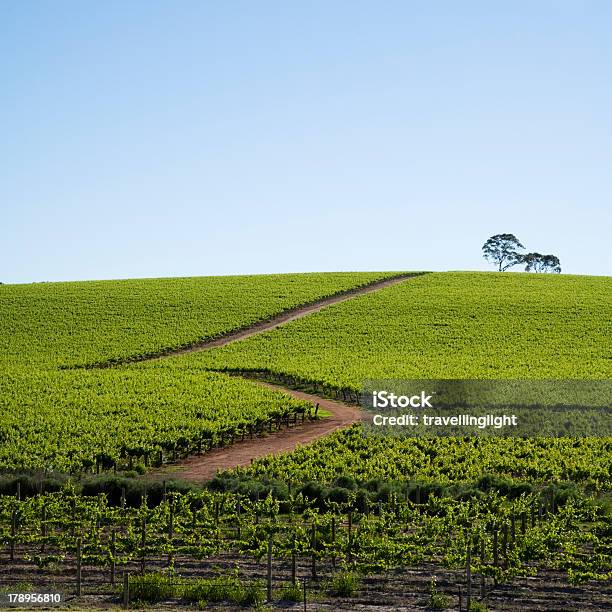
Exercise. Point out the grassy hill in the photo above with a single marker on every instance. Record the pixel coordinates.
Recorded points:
(445, 325)
(54, 324)
(519, 505)
(62, 419)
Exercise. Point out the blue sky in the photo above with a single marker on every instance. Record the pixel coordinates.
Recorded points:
(143, 139)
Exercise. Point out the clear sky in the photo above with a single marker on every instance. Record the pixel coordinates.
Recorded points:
(143, 139)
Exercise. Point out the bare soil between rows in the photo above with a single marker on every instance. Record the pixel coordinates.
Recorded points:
(405, 589)
(200, 468)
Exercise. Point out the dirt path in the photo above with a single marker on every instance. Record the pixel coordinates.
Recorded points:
(199, 468)
(288, 316)
(276, 321)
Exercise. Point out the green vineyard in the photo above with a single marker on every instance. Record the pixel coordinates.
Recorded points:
(90, 502)
(443, 460)
(66, 324)
(74, 420)
(496, 538)
(60, 419)
(444, 325)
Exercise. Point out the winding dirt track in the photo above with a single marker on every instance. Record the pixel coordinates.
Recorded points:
(199, 468)
(272, 323)
(288, 316)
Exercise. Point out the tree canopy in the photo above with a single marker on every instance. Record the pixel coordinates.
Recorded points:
(536, 262)
(502, 250)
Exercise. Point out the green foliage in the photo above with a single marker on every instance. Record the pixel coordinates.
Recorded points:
(437, 600)
(153, 587)
(541, 263)
(30, 483)
(512, 464)
(156, 587)
(291, 592)
(225, 589)
(54, 324)
(344, 584)
(398, 533)
(17, 587)
(67, 420)
(442, 325)
(135, 489)
(502, 250)
(447, 326)
(251, 488)
(409, 500)
(63, 420)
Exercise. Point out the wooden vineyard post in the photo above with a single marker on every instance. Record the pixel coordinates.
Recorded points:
(505, 544)
(513, 528)
(73, 521)
(13, 533)
(143, 543)
(43, 527)
(293, 562)
(126, 590)
(304, 591)
(350, 535)
(269, 572)
(468, 574)
(314, 551)
(495, 548)
(483, 551)
(113, 549)
(333, 537)
(78, 568)
(217, 534)
(194, 516)
(171, 529)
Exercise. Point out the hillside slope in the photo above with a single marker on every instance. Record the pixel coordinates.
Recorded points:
(445, 325)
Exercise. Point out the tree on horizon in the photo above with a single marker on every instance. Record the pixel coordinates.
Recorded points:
(501, 250)
(536, 262)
